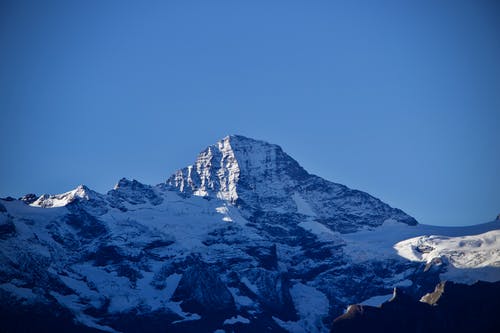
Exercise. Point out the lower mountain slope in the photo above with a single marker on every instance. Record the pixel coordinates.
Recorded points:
(451, 307)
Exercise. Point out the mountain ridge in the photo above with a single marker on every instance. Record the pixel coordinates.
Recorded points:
(254, 242)
(250, 173)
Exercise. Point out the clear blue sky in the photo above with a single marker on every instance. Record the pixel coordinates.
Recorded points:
(397, 98)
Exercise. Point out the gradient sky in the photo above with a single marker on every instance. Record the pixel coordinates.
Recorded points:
(397, 98)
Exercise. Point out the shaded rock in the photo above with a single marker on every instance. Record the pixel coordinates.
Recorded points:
(29, 198)
(452, 307)
(201, 291)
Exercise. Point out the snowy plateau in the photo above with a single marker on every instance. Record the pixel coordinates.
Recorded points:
(243, 240)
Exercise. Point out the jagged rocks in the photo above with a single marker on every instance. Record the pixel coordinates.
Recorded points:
(133, 192)
(201, 291)
(85, 225)
(272, 288)
(29, 198)
(259, 177)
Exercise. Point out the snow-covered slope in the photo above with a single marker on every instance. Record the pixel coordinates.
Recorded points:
(244, 239)
(469, 258)
(60, 200)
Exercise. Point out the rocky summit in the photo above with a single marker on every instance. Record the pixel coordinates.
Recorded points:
(243, 240)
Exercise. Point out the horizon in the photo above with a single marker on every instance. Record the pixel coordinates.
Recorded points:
(399, 100)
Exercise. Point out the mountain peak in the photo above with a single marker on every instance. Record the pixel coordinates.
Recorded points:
(59, 200)
(263, 178)
(234, 164)
(127, 183)
(241, 140)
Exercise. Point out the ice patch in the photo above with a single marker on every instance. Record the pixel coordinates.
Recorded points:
(222, 210)
(250, 285)
(321, 231)
(470, 258)
(22, 293)
(188, 317)
(60, 200)
(172, 281)
(237, 319)
(377, 300)
(302, 206)
(404, 283)
(73, 303)
(312, 305)
(241, 301)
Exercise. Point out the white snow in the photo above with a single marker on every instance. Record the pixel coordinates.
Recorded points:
(240, 300)
(187, 221)
(379, 243)
(377, 300)
(200, 179)
(471, 258)
(321, 231)
(473, 251)
(172, 282)
(302, 206)
(77, 306)
(312, 305)
(187, 316)
(464, 252)
(23, 293)
(229, 171)
(250, 285)
(237, 319)
(60, 200)
(223, 210)
(404, 283)
(19, 208)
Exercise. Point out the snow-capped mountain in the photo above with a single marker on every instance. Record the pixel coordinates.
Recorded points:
(243, 240)
(260, 178)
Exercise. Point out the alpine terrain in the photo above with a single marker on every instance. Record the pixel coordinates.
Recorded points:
(243, 240)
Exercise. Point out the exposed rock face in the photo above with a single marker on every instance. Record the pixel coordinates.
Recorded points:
(29, 198)
(450, 308)
(133, 192)
(260, 178)
(243, 240)
(201, 291)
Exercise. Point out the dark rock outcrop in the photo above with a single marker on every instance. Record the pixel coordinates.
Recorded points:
(201, 291)
(451, 307)
(29, 198)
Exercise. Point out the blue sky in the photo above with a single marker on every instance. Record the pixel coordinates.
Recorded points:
(397, 98)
